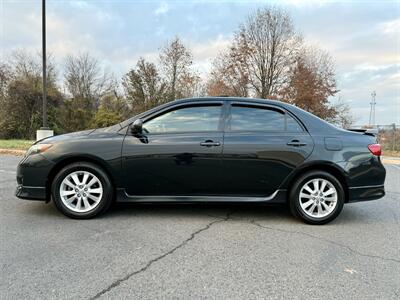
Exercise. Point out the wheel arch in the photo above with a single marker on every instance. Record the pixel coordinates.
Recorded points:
(325, 166)
(74, 159)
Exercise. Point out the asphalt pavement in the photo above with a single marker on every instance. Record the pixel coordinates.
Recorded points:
(198, 251)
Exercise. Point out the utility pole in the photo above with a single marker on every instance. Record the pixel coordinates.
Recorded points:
(372, 111)
(44, 64)
(44, 131)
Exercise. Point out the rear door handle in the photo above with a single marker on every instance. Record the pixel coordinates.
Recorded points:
(296, 143)
(210, 143)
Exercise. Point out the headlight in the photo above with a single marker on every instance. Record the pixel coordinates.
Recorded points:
(39, 148)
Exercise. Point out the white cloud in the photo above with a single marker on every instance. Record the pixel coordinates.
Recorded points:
(210, 48)
(162, 9)
(204, 53)
(390, 27)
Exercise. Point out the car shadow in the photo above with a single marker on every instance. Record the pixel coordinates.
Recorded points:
(239, 212)
(213, 210)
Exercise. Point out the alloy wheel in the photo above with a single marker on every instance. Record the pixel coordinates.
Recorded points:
(318, 198)
(81, 191)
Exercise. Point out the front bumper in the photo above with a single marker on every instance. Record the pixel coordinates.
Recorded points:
(366, 193)
(31, 192)
(32, 174)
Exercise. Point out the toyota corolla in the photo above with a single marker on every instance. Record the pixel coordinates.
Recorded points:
(215, 149)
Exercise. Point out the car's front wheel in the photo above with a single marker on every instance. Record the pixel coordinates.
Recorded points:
(82, 190)
(317, 197)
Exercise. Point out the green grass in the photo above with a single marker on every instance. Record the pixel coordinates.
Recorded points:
(15, 144)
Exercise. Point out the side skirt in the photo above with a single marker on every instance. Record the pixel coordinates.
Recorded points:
(279, 196)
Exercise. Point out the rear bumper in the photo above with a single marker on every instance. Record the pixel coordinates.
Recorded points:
(366, 193)
(31, 192)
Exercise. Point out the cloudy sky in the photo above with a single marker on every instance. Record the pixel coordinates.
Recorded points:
(363, 37)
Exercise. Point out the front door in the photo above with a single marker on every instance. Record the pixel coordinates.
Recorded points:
(180, 153)
(262, 146)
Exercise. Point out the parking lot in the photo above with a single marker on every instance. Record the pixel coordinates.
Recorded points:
(198, 251)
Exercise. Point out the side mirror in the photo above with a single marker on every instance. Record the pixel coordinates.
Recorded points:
(137, 127)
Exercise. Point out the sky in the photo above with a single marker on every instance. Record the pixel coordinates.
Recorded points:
(363, 37)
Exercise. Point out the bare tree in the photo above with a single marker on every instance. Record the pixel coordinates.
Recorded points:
(312, 82)
(84, 78)
(343, 116)
(259, 57)
(176, 60)
(268, 44)
(144, 87)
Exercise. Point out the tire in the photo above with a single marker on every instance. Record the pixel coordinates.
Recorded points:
(312, 207)
(82, 190)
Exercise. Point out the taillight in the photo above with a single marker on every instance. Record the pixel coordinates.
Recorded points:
(375, 149)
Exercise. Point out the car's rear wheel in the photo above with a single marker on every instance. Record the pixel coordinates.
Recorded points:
(82, 190)
(317, 197)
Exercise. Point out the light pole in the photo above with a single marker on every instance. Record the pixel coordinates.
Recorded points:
(44, 131)
(44, 64)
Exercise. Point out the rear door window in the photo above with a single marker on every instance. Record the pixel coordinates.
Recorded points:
(259, 118)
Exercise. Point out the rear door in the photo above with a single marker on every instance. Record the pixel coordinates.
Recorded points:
(180, 152)
(263, 144)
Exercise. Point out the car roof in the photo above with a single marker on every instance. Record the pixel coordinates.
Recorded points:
(228, 98)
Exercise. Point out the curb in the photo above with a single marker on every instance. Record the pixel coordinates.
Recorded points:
(391, 160)
(15, 152)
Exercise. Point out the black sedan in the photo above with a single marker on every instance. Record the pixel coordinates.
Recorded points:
(215, 149)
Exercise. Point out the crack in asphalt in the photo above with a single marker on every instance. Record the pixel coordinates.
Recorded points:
(158, 258)
(325, 240)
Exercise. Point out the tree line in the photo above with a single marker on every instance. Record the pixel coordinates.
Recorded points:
(267, 58)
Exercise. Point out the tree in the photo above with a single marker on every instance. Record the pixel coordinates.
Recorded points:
(85, 79)
(21, 96)
(260, 56)
(112, 110)
(312, 82)
(270, 44)
(229, 75)
(144, 87)
(343, 116)
(76, 114)
(176, 61)
(5, 76)
(86, 82)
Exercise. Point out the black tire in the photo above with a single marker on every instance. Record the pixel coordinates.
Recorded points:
(294, 199)
(105, 200)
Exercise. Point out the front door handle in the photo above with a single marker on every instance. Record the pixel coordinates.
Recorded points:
(210, 143)
(296, 143)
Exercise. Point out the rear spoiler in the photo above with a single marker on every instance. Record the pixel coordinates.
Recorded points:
(369, 131)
